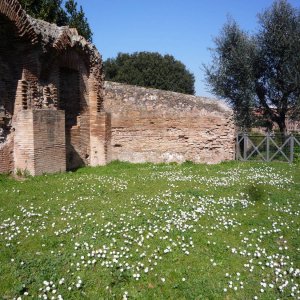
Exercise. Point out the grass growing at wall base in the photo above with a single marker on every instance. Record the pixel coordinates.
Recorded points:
(145, 231)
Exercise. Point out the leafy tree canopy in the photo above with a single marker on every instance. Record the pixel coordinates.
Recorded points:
(260, 71)
(150, 69)
(52, 11)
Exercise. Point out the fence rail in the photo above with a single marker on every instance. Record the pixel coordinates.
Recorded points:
(267, 147)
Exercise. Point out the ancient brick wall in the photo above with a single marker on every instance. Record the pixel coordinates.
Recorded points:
(49, 141)
(24, 147)
(6, 156)
(159, 126)
(43, 150)
(70, 75)
(49, 76)
(53, 115)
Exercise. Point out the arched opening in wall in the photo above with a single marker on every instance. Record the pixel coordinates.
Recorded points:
(69, 72)
(12, 47)
(70, 96)
(9, 73)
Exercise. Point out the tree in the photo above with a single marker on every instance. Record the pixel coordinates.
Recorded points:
(78, 20)
(53, 12)
(150, 69)
(47, 10)
(262, 71)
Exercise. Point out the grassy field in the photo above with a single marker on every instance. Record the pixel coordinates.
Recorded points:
(125, 231)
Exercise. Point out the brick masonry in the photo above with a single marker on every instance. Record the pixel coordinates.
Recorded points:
(51, 96)
(160, 126)
(55, 114)
(7, 156)
(43, 149)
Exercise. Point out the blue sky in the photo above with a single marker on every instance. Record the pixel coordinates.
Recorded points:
(182, 28)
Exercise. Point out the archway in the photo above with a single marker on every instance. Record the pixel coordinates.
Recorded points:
(73, 98)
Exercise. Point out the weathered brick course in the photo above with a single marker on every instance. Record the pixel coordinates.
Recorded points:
(56, 115)
(161, 126)
(50, 96)
(40, 141)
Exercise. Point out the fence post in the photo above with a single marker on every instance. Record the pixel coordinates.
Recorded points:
(245, 146)
(237, 147)
(291, 148)
(268, 146)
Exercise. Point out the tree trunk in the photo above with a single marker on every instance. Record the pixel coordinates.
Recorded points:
(282, 128)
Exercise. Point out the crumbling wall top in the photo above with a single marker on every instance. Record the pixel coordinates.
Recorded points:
(49, 35)
(120, 97)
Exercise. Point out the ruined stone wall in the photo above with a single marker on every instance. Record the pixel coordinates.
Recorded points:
(53, 111)
(44, 149)
(11, 58)
(49, 76)
(149, 125)
(6, 156)
(69, 73)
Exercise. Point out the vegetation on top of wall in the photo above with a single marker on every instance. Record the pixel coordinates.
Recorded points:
(150, 69)
(260, 72)
(52, 11)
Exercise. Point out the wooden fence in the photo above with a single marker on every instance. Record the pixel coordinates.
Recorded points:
(267, 147)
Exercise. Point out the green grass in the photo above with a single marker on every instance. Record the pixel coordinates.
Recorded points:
(145, 231)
